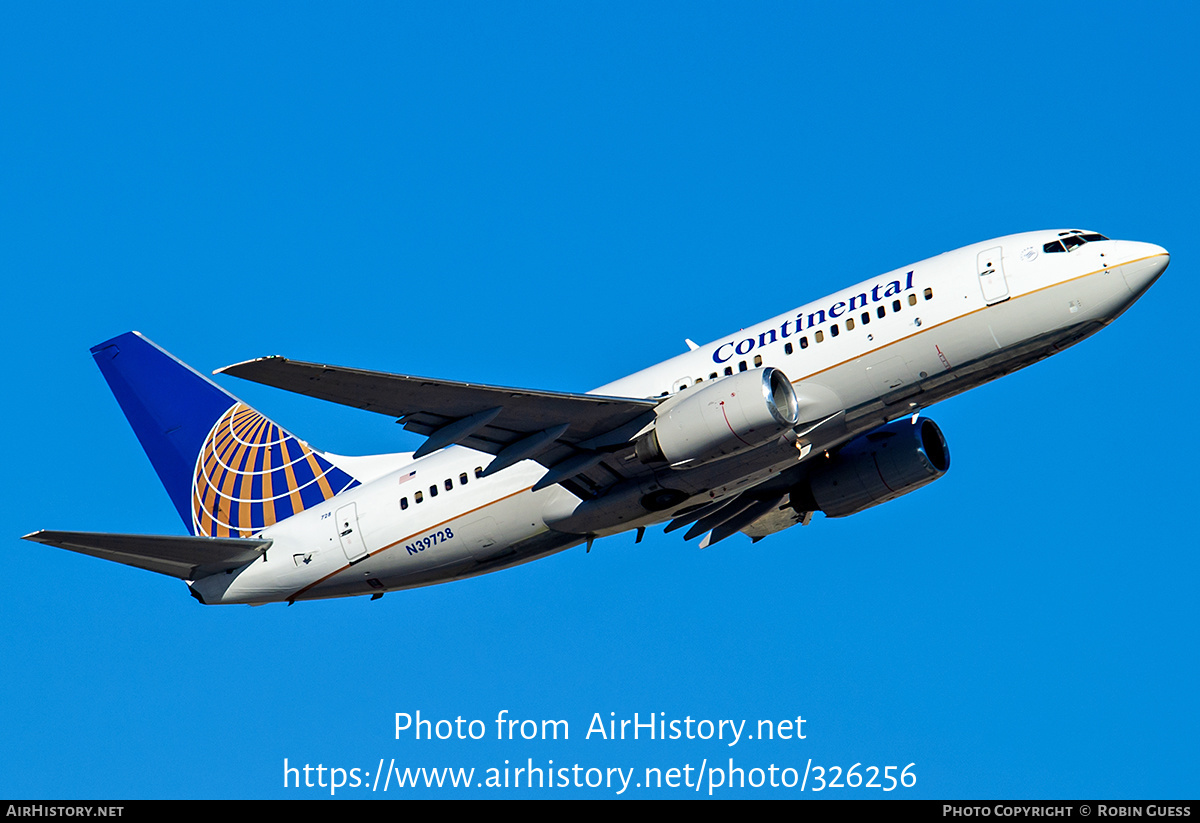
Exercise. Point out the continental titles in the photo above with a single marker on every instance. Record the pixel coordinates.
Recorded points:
(811, 319)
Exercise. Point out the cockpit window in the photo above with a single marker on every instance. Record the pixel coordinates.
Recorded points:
(1070, 240)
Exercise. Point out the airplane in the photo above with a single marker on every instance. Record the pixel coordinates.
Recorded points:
(817, 409)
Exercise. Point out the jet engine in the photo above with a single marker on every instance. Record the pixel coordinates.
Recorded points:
(879, 466)
(730, 415)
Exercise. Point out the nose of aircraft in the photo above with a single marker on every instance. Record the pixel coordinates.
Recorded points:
(1144, 263)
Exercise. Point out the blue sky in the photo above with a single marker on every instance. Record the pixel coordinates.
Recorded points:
(551, 195)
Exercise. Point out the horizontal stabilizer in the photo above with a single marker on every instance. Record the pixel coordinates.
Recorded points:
(188, 558)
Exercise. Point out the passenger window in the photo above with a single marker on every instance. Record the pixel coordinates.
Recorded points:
(804, 342)
(787, 348)
(819, 336)
(712, 376)
(849, 324)
(728, 370)
(479, 471)
(895, 305)
(757, 360)
(866, 317)
(449, 484)
(742, 365)
(928, 294)
(462, 479)
(912, 300)
(403, 503)
(834, 329)
(418, 497)
(433, 491)
(880, 312)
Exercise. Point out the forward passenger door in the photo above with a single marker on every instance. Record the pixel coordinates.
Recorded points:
(990, 267)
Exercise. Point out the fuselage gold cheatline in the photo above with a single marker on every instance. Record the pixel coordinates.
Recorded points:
(814, 410)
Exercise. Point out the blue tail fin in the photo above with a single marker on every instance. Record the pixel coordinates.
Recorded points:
(229, 471)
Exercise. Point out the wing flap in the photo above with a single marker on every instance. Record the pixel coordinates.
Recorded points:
(188, 558)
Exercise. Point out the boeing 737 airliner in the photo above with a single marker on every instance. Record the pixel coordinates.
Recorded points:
(817, 409)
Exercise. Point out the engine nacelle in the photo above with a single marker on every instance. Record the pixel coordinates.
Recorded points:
(731, 415)
(879, 466)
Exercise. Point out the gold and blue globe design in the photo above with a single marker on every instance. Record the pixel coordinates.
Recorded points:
(251, 473)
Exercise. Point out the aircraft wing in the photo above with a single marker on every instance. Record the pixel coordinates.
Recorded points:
(572, 434)
(188, 558)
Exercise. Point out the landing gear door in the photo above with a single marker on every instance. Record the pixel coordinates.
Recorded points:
(348, 532)
(990, 267)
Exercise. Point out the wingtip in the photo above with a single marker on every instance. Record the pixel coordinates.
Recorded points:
(230, 369)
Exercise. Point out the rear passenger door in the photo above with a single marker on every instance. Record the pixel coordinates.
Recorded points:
(348, 533)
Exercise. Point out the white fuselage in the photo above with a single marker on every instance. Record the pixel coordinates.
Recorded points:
(882, 349)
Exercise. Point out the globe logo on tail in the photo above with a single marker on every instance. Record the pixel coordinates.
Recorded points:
(250, 474)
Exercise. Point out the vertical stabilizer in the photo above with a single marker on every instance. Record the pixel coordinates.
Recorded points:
(229, 470)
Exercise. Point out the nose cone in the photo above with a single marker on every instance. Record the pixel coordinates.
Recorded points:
(1145, 263)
